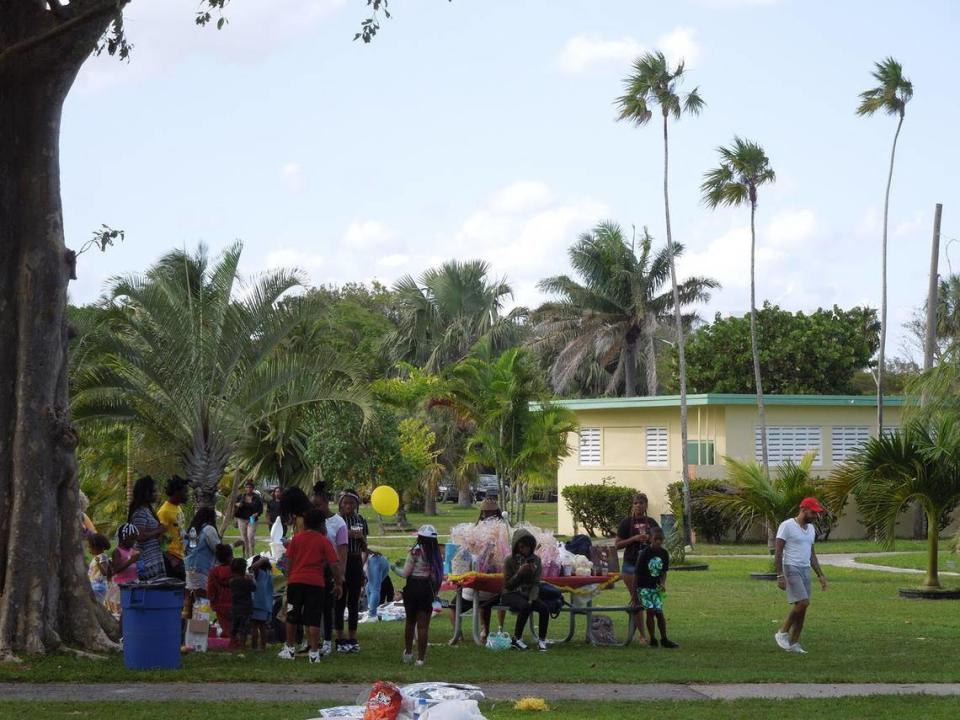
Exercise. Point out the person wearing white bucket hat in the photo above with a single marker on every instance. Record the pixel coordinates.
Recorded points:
(424, 573)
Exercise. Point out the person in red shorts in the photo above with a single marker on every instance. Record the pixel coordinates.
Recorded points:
(313, 563)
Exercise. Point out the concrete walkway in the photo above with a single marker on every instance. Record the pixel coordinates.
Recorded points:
(843, 560)
(349, 692)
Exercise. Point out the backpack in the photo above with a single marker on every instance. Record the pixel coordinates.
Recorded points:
(601, 630)
(552, 598)
(579, 545)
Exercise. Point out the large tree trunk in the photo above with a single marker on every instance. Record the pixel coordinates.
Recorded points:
(650, 361)
(681, 355)
(932, 579)
(883, 285)
(758, 381)
(45, 598)
(630, 365)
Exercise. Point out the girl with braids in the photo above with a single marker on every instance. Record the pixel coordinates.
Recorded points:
(424, 573)
(357, 532)
(124, 562)
(149, 528)
(202, 541)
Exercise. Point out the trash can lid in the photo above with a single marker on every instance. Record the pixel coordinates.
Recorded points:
(163, 583)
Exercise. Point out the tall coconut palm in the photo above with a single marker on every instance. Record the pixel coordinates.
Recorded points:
(445, 313)
(890, 97)
(203, 367)
(654, 83)
(743, 168)
(613, 317)
(919, 463)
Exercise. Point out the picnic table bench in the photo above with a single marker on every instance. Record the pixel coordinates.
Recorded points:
(491, 583)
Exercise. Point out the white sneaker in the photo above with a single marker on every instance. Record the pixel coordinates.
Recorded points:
(518, 644)
(326, 649)
(795, 648)
(541, 645)
(287, 653)
(421, 663)
(314, 656)
(783, 640)
(407, 658)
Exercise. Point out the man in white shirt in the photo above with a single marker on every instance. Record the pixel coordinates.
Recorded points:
(794, 559)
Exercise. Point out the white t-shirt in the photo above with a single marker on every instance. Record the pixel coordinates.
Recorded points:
(336, 531)
(798, 542)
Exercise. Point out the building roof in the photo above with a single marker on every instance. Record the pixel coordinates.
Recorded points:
(699, 400)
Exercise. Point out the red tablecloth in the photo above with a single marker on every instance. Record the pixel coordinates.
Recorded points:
(494, 583)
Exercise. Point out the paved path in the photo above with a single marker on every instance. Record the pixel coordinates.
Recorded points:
(844, 560)
(348, 693)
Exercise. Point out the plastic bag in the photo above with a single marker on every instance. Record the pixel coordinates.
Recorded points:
(383, 702)
(498, 641)
(454, 710)
(352, 712)
(437, 691)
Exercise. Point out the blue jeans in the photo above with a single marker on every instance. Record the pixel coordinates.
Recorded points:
(377, 568)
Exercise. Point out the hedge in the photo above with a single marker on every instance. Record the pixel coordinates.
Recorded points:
(709, 524)
(598, 509)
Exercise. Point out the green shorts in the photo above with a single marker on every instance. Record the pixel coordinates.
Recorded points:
(650, 599)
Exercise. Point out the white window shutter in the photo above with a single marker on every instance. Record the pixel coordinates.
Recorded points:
(845, 440)
(657, 450)
(788, 442)
(590, 446)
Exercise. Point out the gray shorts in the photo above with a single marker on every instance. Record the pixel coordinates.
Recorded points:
(798, 582)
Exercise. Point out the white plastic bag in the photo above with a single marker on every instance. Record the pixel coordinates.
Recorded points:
(454, 710)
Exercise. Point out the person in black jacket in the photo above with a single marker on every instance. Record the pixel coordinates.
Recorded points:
(274, 510)
(247, 510)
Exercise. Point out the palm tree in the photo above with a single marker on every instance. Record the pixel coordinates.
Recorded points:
(203, 368)
(451, 308)
(754, 496)
(513, 427)
(920, 463)
(743, 168)
(615, 314)
(891, 97)
(654, 83)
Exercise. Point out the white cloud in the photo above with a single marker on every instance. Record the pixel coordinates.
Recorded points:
(678, 44)
(292, 176)
(367, 235)
(584, 51)
(395, 260)
(520, 196)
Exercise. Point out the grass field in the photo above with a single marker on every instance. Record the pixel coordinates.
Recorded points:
(916, 560)
(829, 546)
(874, 708)
(858, 631)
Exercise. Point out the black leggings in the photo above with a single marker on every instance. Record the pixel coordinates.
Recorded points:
(329, 602)
(521, 605)
(350, 599)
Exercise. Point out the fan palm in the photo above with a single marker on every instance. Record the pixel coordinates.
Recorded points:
(755, 497)
(451, 308)
(202, 367)
(654, 83)
(889, 97)
(919, 463)
(617, 310)
(743, 168)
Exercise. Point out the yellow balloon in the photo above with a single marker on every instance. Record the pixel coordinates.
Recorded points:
(385, 500)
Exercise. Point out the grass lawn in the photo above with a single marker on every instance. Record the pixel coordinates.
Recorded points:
(858, 631)
(830, 546)
(917, 560)
(875, 708)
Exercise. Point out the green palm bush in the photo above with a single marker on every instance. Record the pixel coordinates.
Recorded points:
(920, 463)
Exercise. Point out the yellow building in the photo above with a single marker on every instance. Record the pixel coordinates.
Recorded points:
(635, 442)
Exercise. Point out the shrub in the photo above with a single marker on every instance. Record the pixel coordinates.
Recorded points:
(709, 524)
(598, 509)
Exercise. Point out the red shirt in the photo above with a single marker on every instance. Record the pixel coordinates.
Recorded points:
(309, 551)
(218, 588)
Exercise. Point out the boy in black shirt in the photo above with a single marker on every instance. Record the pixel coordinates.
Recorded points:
(652, 565)
(242, 586)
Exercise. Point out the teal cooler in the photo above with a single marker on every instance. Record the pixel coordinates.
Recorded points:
(151, 625)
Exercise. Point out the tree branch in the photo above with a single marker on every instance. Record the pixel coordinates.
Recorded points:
(98, 9)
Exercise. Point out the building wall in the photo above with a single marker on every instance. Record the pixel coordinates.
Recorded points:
(731, 430)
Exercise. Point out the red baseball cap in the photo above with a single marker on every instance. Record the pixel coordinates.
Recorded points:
(811, 503)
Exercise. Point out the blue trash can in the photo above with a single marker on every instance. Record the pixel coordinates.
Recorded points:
(151, 625)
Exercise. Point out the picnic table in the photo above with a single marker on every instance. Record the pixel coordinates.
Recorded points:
(586, 586)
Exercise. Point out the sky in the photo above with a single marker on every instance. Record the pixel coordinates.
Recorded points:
(487, 129)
